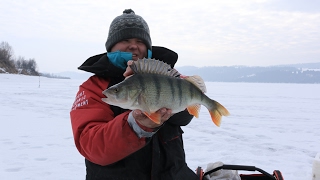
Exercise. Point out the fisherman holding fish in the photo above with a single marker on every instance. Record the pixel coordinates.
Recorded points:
(130, 127)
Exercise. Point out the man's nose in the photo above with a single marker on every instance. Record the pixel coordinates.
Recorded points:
(133, 45)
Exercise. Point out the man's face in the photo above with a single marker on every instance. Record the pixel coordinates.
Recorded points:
(134, 45)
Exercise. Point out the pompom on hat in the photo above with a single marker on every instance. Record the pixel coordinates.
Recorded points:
(126, 26)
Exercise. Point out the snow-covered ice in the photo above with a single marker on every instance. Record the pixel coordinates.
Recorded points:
(271, 126)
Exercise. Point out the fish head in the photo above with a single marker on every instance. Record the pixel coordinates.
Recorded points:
(122, 95)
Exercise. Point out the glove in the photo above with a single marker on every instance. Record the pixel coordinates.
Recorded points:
(221, 174)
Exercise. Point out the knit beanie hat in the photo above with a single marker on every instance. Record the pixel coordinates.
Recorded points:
(126, 26)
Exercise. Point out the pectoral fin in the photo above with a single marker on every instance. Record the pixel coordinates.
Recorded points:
(155, 117)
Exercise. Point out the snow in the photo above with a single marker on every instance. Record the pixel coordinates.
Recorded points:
(271, 126)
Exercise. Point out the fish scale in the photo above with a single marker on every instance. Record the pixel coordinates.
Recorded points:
(160, 93)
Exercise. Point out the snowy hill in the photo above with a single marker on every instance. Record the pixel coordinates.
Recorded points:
(299, 73)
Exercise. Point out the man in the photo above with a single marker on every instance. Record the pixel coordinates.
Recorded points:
(119, 143)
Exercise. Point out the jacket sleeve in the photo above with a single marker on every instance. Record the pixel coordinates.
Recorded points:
(99, 136)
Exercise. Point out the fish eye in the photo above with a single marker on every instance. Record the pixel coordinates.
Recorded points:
(116, 90)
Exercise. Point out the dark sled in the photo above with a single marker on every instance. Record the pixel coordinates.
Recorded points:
(262, 176)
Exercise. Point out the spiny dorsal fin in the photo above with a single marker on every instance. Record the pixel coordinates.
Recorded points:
(153, 66)
(198, 82)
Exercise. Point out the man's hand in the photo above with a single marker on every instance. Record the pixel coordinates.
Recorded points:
(128, 71)
(145, 121)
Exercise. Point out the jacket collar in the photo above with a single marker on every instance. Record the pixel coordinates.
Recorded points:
(101, 66)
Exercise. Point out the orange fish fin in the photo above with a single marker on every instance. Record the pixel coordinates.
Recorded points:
(216, 117)
(194, 109)
(155, 117)
(217, 112)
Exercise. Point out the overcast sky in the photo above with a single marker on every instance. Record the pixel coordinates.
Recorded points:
(61, 34)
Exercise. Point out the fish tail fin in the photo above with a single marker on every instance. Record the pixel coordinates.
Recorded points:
(194, 109)
(216, 113)
(155, 117)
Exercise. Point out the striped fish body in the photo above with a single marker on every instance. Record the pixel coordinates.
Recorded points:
(150, 90)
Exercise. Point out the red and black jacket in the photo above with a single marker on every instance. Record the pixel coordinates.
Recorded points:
(111, 148)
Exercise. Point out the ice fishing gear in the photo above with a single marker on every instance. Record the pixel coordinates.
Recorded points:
(263, 176)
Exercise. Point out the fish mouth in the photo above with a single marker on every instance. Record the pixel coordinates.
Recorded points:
(105, 92)
(105, 99)
(109, 99)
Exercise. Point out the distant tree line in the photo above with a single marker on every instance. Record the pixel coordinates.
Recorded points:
(8, 64)
(50, 75)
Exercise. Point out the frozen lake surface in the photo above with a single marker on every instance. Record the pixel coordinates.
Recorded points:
(271, 126)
